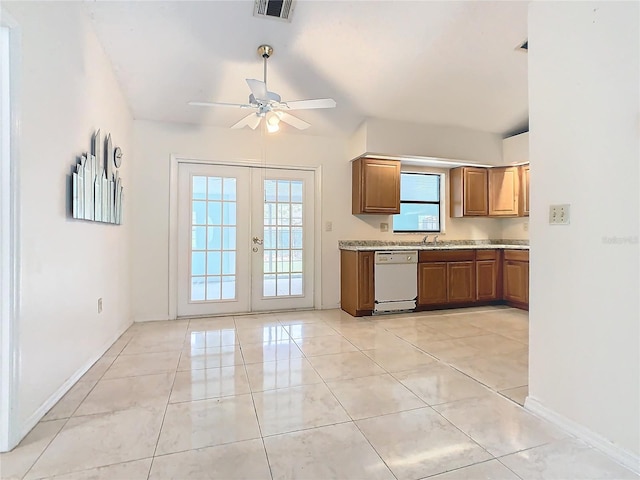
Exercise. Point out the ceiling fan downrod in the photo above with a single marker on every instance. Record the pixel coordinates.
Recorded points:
(265, 51)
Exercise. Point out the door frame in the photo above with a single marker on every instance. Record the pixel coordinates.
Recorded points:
(10, 428)
(175, 160)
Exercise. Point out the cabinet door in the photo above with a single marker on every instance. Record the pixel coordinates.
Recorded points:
(486, 280)
(475, 191)
(461, 282)
(526, 283)
(376, 186)
(516, 281)
(524, 191)
(432, 283)
(365, 280)
(503, 191)
(356, 282)
(468, 192)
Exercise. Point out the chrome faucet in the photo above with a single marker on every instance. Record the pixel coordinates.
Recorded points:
(425, 240)
(435, 240)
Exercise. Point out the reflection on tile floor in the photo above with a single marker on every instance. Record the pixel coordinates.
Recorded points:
(310, 395)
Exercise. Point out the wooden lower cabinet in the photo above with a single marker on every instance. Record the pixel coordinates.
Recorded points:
(488, 275)
(446, 278)
(516, 281)
(356, 282)
(486, 280)
(446, 282)
(516, 278)
(432, 283)
(461, 282)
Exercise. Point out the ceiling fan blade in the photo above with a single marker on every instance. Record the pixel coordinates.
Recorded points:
(252, 120)
(308, 104)
(220, 104)
(258, 88)
(293, 121)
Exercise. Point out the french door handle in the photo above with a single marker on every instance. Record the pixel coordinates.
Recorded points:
(257, 241)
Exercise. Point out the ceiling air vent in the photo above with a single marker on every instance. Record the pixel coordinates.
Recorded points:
(278, 9)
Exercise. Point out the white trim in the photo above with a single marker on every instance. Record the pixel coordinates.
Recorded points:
(317, 241)
(618, 454)
(174, 160)
(48, 404)
(156, 318)
(9, 240)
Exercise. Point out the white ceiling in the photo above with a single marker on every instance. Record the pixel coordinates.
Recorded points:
(441, 62)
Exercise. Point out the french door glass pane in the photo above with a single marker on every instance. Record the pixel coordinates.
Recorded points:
(283, 234)
(213, 239)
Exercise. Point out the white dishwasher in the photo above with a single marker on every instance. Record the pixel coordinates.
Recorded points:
(396, 281)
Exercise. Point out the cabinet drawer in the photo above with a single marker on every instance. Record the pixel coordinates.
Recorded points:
(518, 255)
(486, 254)
(446, 255)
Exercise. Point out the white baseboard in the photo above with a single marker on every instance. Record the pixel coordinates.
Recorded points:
(36, 416)
(157, 318)
(618, 454)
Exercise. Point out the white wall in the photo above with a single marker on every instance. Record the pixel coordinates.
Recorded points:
(385, 137)
(154, 144)
(584, 314)
(515, 149)
(66, 91)
(402, 138)
(515, 228)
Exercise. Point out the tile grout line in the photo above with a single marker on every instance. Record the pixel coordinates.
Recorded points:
(166, 407)
(439, 360)
(307, 358)
(349, 415)
(66, 420)
(463, 467)
(446, 363)
(255, 409)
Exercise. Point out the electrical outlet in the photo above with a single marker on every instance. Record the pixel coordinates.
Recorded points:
(525, 226)
(328, 226)
(100, 305)
(559, 214)
(384, 227)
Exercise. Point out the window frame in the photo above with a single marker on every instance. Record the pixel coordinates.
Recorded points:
(440, 203)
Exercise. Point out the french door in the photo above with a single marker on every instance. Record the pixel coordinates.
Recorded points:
(245, 239)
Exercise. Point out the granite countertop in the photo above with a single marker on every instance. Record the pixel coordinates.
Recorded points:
(372, 245)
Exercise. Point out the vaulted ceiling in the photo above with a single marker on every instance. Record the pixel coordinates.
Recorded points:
(439, 62)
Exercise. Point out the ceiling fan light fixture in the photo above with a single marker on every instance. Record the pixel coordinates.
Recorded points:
(269, 105)
(273, 122)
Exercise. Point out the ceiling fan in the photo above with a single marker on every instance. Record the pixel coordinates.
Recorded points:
(269, 105)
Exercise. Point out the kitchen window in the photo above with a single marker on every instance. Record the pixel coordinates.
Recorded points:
(419, 203)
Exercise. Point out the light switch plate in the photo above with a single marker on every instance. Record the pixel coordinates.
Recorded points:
(328, 226)
(384, 227)
(559, 214)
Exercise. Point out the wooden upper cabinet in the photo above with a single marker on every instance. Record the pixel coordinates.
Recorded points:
(468, 186)
(523, 209)
(504, 185)
(375, 186)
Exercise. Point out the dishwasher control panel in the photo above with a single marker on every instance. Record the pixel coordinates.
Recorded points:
(409, 256)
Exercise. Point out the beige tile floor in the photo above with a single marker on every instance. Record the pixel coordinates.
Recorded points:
(310, 395)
